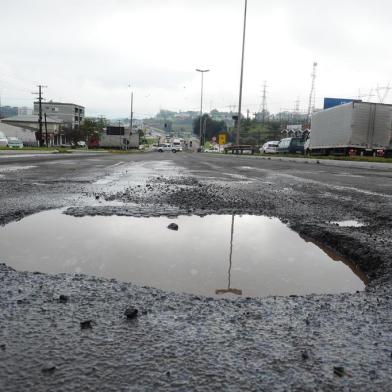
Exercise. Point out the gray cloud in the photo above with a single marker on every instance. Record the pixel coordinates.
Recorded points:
(89, 51)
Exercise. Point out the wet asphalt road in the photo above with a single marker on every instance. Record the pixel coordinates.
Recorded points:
(185, 342)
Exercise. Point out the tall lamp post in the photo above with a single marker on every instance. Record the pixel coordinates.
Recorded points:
(242, 75)
(202, 71)
(130, 118)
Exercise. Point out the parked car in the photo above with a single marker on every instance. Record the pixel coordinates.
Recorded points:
(269, 147)
(212, 149)
(14, 142)
(3, 140)
(81, 143)
(167, 147)
(291, 145)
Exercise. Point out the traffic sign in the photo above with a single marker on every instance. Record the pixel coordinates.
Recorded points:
(222, 138)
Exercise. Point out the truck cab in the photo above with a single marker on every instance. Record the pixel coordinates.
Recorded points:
(291, 145)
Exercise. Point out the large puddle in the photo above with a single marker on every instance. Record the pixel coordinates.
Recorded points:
(216, 255)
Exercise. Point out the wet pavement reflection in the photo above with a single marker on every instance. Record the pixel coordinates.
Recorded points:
(215, 255)
(230, 289)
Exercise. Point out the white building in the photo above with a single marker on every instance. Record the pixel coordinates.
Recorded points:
(70, 114)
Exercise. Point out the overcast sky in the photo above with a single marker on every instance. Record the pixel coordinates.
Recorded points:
(87, 52)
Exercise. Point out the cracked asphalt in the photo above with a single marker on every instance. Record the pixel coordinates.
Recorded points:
(184, 342)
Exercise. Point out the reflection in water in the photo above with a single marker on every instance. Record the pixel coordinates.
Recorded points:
(229, 288)
(267, 258)
(337, 257)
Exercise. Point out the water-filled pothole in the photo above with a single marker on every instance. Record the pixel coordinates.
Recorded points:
(348, 223)
(216, 255)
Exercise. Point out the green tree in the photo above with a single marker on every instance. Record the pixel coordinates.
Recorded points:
(88, 130)
(211, 128)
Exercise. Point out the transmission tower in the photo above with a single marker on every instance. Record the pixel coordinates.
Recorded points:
(386, 89)
(312, 95)
(264, 102)
(296, 109)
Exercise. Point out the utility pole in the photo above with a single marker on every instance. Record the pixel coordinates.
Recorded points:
(202, 71)
(312, 95)
(131, 118)
(241, 78)
(46, 131)
(264, 102)
(40, 99)
(204, 128)
(119, 132)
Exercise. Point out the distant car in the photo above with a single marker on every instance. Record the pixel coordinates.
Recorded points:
(212, 149)
(14, 142)
(81, 143)
(167, 147)
(291, 145)
(3, 140)
(269, 148)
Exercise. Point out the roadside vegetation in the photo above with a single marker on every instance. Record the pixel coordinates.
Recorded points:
(330, 157)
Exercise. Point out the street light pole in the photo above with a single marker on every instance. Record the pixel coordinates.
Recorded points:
(131, 117)
(202, 71)
(242, 75)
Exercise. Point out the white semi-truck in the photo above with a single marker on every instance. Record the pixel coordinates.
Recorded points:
(353, 128)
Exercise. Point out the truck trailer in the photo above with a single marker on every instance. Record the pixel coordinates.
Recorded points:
(356, 128)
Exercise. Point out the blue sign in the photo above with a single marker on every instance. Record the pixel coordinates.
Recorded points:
(332, 102)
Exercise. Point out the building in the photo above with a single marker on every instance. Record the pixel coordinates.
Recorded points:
(24, 111)
(118, 137)
(70, 114)
(26, 135)
(8, 111)
(25, 128)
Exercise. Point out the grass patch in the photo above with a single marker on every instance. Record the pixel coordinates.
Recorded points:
(331, 157)
(30, 149)
(130, 151)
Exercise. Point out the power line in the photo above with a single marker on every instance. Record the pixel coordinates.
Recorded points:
(40, 99)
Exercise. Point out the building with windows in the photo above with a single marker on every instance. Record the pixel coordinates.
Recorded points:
(25, 128)
(25, 111)
(8, 111)
(72, 115)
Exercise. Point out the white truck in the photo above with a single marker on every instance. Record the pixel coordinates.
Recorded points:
(167, 147)
(355, 128)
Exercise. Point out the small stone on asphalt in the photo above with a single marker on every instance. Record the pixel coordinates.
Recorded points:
(131, 313)
(87, 324)
(49, 368)
(339, 371)
(63, 298)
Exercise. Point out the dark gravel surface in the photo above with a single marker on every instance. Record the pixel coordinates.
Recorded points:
(68, 332)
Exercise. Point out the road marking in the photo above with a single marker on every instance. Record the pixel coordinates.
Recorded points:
(15, 168)
(116, 164)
